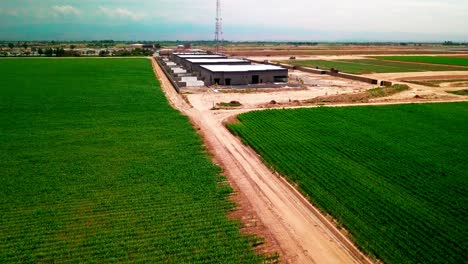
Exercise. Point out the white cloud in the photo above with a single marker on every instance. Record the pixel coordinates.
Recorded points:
(65, 10)
(121, 13)
(259, 19)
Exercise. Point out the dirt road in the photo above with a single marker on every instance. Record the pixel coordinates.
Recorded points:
(302, 232)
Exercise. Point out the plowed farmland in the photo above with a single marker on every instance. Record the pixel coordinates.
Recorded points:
(96, 167)
(394, 176)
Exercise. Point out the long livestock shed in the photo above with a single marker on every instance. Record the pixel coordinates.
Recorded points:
(242, 74)
(193, 65)
(179, 59)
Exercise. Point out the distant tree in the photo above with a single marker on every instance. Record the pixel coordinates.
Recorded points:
(157, 46)
(40, 51)
(71, 53)
(449, 43)
(49, 52)
(103, 53)
(25, 45)
(59, 52)
(72, 47)
(4, 53)
(11, 45)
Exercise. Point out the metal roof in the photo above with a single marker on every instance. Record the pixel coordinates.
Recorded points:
(241, 68)
(198, 61)
(201, 56)
(189, 53)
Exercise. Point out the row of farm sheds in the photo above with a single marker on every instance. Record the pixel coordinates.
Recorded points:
(201, 69)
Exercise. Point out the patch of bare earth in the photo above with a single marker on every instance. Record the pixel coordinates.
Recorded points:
(436, 78)
(356, 51)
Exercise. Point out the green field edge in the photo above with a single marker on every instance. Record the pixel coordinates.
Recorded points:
(374, 65)
(274, 169)
(42, 203)
(428, 60)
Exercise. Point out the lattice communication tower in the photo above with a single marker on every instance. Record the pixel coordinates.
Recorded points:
(219, 28)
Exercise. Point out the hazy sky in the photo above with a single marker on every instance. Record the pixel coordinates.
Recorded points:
(311, 20)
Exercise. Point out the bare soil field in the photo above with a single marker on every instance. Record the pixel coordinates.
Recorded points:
(307, 57)
(440, 77)
(448, 82)
(324, 49)
(420, 92)
(314, 85)
(420, 75)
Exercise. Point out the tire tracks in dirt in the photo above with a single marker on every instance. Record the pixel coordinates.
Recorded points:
(303, 234)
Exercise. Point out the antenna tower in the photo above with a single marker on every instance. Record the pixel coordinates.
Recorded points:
(219, 28)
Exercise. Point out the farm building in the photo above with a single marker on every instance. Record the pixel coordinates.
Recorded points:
(242, 74)
(179, 58)
(193, 65)
(142, 46)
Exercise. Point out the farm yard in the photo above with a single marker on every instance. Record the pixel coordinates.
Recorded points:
(98, 168)
(393, 176)
(366, 66)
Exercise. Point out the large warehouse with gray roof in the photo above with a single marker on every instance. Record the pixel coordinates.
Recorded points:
(194, 65)
(242, 74)
(215, 69)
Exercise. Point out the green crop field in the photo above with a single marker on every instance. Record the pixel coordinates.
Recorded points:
(394, 176)
(96, 167)
(428, 59)
(460, 92)
(366, 66)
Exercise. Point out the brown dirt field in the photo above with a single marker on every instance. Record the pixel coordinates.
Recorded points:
(271, 50)
(262, 53)
(427, 75)
(303, 234)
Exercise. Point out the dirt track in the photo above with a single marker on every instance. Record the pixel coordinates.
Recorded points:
(295, 228)
(304, 235)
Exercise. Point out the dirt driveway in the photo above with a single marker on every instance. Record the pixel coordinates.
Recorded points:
(423, 91)
(303, 234)
(288, 221)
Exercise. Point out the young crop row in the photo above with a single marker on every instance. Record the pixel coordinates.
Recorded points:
(98, 168)
(378, 170)
(444, 60)
(363, 66)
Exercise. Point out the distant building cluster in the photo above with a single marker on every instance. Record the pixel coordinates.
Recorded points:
(75, 50)
(193, 68)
